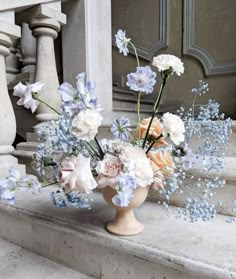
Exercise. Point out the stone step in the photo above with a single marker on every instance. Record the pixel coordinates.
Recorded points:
(25, 157)
(224, 195)
(18, 263)
(33, 137)
(168, 248)
(232, 142)
(27, 146)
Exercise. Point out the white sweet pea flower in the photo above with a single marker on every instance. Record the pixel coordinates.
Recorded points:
(173, 127)
(24, 92)
(168, 62)
(85, 124)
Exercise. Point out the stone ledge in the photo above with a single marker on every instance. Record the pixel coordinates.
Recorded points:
(228, 173)
(77, 238)
(27, 146)
(19, 263)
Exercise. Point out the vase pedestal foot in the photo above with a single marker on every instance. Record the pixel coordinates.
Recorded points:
(125, 223)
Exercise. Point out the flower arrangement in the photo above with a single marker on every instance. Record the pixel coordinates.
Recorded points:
(156, 152)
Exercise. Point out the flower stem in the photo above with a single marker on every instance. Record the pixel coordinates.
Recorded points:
(155, 109)
(99, 148)
(193, 105)
(138, 114)
(139, 94)
(46, 184)
(45, 103)
(154, 141)
(135, 51)
(91, 148)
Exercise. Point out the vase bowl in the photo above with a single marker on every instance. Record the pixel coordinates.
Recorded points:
(125, 222)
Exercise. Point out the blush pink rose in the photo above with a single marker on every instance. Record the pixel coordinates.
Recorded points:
(75, 175)
(107, 170)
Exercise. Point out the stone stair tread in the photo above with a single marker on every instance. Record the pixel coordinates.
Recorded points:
(205, 249)
(18, 263)
(27, 146)
(23, 153)
(228, 173)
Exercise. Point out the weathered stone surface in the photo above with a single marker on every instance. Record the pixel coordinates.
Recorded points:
(168, 248)
(18, 263)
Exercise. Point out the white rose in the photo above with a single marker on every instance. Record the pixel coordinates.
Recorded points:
(75, 175)
(173, 127)
(166, 61)
(85, 124)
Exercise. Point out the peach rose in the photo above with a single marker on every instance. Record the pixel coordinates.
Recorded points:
(161, 161)
(154, 132)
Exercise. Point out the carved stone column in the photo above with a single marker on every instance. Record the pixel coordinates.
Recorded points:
(12, 64)
(45, 30)
(45, 21)
(8, 32)
(28, 51)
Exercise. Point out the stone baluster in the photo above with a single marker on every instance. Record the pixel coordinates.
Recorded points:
(12, 64)
(8, 32)
(45, 25)
(28, 51)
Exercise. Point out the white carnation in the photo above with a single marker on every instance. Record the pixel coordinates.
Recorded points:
(85, 124)
(173, 127)
(136, 163)
(166, 61)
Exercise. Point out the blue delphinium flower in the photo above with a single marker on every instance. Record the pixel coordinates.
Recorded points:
(78, 200)
(58, 198)
(122, 42)
(143, 80)
(120, 128)
(126, 184)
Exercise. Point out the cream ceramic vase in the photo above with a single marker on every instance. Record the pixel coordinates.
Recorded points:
(125, 222)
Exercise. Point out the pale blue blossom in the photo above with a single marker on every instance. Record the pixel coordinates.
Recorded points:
(8, 196)
(120, 128)
(126, 184)
(77, 99)
(15, 182)
(143, 80)
(202, 89)
(74, 198)
(78, 200)
(122, 42)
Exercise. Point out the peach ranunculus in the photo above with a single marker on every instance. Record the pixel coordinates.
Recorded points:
(161, 161)
(108, 169)
(75, 175)
(154, 132)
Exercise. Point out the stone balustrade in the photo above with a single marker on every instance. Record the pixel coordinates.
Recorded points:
(86, 34)
(44, 20)
(8, 33)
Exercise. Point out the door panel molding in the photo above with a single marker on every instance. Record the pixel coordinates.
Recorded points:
(211, 67)
(148, 53)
